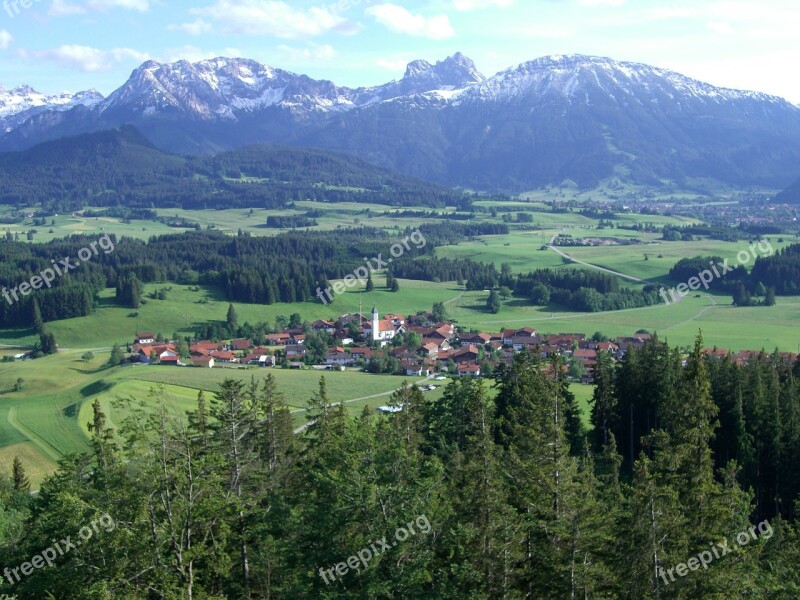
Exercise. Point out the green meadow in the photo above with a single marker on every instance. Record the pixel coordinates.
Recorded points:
(48, 416)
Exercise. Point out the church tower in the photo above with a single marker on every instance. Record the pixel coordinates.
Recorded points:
(376, 325)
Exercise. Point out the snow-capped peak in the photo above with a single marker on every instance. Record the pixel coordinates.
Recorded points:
(455, 71)
(219, 88)
(24, 98)
(578, 77)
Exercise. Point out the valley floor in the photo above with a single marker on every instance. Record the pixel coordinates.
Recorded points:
(48, 416)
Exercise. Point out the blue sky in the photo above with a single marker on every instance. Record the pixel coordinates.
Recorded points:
(70, 45)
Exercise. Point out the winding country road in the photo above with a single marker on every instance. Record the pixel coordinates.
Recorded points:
(381, 395)
(560, 252)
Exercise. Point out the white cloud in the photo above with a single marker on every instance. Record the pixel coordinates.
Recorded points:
(313, 53)
(5, 39)
(88, 59)
(198, 27)
(399, 19)
(61, 8)
(465, 5)
(273, 18)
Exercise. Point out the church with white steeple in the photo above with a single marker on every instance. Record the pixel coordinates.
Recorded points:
(382, 330)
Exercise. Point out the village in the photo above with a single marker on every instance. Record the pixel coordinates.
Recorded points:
(415, 346)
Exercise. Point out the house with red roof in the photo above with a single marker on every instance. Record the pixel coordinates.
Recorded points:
(224, 356)
(278, 339)
(204, 347)
(469, 370)
(466, 354)
(241, 345)
(430, 349)
(322, 325)
(414, 369)
(479, 339)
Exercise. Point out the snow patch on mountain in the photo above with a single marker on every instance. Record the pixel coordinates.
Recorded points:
(24, 98)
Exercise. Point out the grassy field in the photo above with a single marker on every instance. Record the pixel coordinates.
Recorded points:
(184, 310)
(662, 256)
(48, 416)
(340, 215)
(65, 225)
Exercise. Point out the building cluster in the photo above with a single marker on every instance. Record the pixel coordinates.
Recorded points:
(416, 345)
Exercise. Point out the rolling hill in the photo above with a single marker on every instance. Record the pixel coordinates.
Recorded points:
(121, 167)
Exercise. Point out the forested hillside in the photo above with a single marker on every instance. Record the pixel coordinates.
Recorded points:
(781, 271)
(472, 496)
(121, 168)
(254, 270)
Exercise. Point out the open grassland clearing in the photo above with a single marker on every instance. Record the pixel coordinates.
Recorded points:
(613, 189)
(662, 255)
(48, 417)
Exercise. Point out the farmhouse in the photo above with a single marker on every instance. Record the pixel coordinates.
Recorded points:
(225, 356)
(241, 345)
(203, 361)
(144, 338)
(278, 339)
(469, 370)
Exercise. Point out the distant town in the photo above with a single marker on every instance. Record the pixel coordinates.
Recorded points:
(416, 346)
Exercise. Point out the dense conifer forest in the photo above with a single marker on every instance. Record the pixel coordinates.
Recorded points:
(265, 270)
(121, 168)
(521, 500)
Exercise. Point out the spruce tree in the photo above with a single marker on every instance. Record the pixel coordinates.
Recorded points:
(603, 401)
(47, 343)
(38, 324)
(232, 320)
(116, 357)
(21, 482)
(493, 302)
(198, 420)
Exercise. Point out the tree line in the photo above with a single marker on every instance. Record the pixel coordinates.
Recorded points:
(265, 270)
(522, 499)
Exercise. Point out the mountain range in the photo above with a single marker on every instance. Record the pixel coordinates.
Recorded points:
(558, 118)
